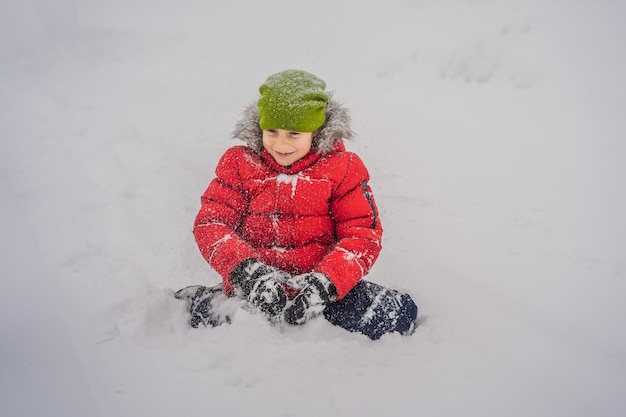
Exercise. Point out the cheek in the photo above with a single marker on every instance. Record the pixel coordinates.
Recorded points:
(305, 148)
(306, 145)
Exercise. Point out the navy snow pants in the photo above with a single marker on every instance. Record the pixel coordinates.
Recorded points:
(373, 310)
(368, 308)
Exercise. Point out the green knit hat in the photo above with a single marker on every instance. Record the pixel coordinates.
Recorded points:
(292, 100)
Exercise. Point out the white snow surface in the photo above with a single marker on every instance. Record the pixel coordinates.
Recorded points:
(495, 136)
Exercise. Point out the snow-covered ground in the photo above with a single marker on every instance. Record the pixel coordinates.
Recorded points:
(495, 134)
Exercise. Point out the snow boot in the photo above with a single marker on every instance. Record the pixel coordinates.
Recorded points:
(201, 305)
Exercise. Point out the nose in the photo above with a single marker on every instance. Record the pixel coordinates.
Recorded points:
(282, 142)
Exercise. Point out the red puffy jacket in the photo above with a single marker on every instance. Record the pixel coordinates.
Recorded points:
(316, 215)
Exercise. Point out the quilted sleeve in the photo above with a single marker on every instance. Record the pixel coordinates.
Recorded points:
(223, 204)
(357, 228)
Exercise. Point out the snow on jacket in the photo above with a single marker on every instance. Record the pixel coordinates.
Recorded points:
(316, 215)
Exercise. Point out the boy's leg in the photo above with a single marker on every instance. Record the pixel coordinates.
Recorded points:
(373, 310)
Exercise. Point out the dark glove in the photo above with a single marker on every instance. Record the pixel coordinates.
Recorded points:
(316, 294)
(261, 285)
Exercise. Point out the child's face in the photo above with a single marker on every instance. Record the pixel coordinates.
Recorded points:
(286, 146)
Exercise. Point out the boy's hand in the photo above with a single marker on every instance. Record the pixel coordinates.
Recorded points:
(261, 285)
(317, 292)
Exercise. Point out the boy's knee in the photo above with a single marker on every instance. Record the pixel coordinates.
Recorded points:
(374, 310)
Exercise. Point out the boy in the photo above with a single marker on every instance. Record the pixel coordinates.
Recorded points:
(290, 222)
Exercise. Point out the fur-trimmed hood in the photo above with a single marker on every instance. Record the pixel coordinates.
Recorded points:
(335, 128)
